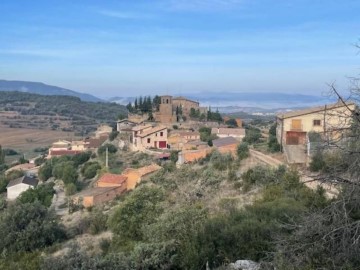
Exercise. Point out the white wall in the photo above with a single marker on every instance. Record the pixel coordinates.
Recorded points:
(14, 191)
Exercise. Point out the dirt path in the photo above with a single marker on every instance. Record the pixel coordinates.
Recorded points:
(58, 201)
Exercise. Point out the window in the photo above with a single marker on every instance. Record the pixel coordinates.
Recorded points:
(161, 134)
(148, 140)
(317, 122)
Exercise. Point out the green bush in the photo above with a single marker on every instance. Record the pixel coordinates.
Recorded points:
(70, 189)
(28, 227)
(243, 151)
(317, 162)
(219, 161)
(90, 169)
(111, 148)
(42, 193)
(113, 135)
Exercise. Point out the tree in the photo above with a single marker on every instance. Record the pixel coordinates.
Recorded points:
(45, 171)
(42, 193)
(140, 208)
(28, 227)
(231, 122)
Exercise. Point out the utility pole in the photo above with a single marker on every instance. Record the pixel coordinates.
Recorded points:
(107, 158)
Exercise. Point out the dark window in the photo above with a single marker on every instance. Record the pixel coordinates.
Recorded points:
(317, 122)
(167, 101)
(148, 140)
(161, 133)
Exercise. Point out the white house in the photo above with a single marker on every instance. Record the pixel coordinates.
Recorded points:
(237, 133)
(17, 186)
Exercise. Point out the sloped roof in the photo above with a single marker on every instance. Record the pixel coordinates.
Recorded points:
(184, 98)
(94, 191)
(141, 127)
(225, 141)
(144, 170)
(21, 167)
(314, 110)
(94, 142)
(113, 178)
(31, 181)
(197, 142)
(64, 152)
(224, 131)
(186, 133)
(151, 131)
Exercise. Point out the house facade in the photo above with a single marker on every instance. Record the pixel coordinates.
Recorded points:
(124, 125)
(146, 137)
(237, 133)
(328, 120)
(19, 185)
(227, 145)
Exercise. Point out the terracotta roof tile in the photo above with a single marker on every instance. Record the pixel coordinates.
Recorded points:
(112, 178)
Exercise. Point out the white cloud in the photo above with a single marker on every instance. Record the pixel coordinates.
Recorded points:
(124, 15)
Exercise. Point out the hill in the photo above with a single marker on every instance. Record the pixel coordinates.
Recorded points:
(66, 113)
(43, 89)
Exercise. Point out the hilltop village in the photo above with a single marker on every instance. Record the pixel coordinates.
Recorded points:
(171, 153)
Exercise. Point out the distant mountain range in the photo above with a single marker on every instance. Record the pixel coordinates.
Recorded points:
(228, 102)
(44, 89)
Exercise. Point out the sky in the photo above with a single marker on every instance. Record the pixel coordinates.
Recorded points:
(132, 47)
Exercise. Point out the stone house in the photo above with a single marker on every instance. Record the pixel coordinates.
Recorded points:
(178, 139)
(237, 133)
(19, 185)
(125, 125)
(135, 176)
(98, 195)
(145, 137)
(328, 120)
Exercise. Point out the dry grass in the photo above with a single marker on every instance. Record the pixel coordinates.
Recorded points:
(24, 139)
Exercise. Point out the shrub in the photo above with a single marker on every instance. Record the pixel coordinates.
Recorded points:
(42, 193)
(111, 148)
(220, 162)
(243, 151)
(317, 162)
(113, 135)
(70, 189)
(90, 169)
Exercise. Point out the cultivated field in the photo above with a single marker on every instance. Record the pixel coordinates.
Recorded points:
(25, 140)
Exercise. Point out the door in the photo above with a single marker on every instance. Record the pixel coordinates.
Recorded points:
(162, 144)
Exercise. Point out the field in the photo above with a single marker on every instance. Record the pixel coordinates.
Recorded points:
(25, 140)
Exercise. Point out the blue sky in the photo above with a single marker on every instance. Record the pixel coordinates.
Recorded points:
(126, 48)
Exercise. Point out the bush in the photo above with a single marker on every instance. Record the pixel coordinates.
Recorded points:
(113, 135)
(10, 152)
(70, 189)
(42, 193)
(220, 162)
(317, 162)
(37, 227)
(273, 144)
(243, 151)
(111, 148)
(252, 136)
(90, 169)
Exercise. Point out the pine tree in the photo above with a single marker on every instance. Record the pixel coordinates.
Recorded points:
(136, 104)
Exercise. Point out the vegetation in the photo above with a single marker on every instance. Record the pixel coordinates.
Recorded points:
(253, 135)
(206, 136)
(84, 116)
(231, 122)
(42, 194)
(273, 145)
(243, 151)
(27, 228)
